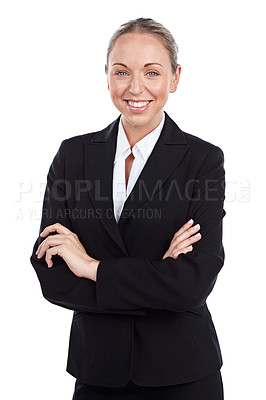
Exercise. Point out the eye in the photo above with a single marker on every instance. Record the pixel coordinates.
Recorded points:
(153, 73)
(121, 73)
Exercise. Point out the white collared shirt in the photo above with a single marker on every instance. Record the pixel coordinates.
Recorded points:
(141, 151)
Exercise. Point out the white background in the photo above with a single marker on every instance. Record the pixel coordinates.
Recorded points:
(53, 86)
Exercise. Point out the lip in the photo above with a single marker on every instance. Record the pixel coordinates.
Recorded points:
(137, 110)
(137, 101)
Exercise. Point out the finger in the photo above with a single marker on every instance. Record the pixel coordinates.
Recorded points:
(183, 236)
(186, 234)
(185, 250)
(51, 241)
(57, 227)
(183, 228)
(41, 247)
(189, 248)
(175, 253)
(45, 241)
(189, 241)
(51, 252)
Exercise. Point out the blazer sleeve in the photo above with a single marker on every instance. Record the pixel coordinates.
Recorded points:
(59, 284)
(174, 284)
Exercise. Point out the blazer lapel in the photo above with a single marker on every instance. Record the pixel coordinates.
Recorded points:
(99, 158)
(167, 154)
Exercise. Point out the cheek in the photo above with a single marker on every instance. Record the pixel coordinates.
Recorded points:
(117, 88)
(160, 89)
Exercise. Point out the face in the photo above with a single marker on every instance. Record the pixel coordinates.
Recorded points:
(140, 79)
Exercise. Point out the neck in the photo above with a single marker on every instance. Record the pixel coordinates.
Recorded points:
(136, 133)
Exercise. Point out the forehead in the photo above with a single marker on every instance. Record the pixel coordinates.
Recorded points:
(141, 47)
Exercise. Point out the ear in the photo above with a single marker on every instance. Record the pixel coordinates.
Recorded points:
(175, 80)
(108, 82)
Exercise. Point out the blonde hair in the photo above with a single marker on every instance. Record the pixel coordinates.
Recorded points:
(147, 25)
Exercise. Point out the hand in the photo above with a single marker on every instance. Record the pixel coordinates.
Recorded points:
(183, 239)
(67, 245)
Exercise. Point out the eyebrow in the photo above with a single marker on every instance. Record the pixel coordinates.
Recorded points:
(146, 65)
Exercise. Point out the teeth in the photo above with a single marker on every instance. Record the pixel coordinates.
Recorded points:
(139, 104)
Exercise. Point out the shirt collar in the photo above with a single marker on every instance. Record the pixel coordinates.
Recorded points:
(143, 147)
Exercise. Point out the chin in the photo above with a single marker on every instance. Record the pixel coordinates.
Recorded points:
(138, 120)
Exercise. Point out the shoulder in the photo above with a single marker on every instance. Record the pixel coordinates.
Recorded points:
(203, 147)
(74, 144)
(100, 135)
(205, 156)
(72, 150)
(80, 139)
(199, 147)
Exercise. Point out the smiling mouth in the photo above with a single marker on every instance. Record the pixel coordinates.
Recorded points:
(138, 104)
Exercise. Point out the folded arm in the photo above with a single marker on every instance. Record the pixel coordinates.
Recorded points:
(59, 284)
(129, 285)
(173, 284)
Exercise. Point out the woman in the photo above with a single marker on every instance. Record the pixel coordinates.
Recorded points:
(119, 239)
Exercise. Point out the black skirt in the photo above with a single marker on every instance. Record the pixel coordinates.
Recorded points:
(210, 388)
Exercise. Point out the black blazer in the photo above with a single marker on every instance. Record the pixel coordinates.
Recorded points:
(144, 318)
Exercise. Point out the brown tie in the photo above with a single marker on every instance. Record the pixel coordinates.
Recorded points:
(128, 164)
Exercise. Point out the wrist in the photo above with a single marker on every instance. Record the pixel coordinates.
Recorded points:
(94, 267)
(91, 270)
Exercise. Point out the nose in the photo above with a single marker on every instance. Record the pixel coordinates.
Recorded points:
(136, 85)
